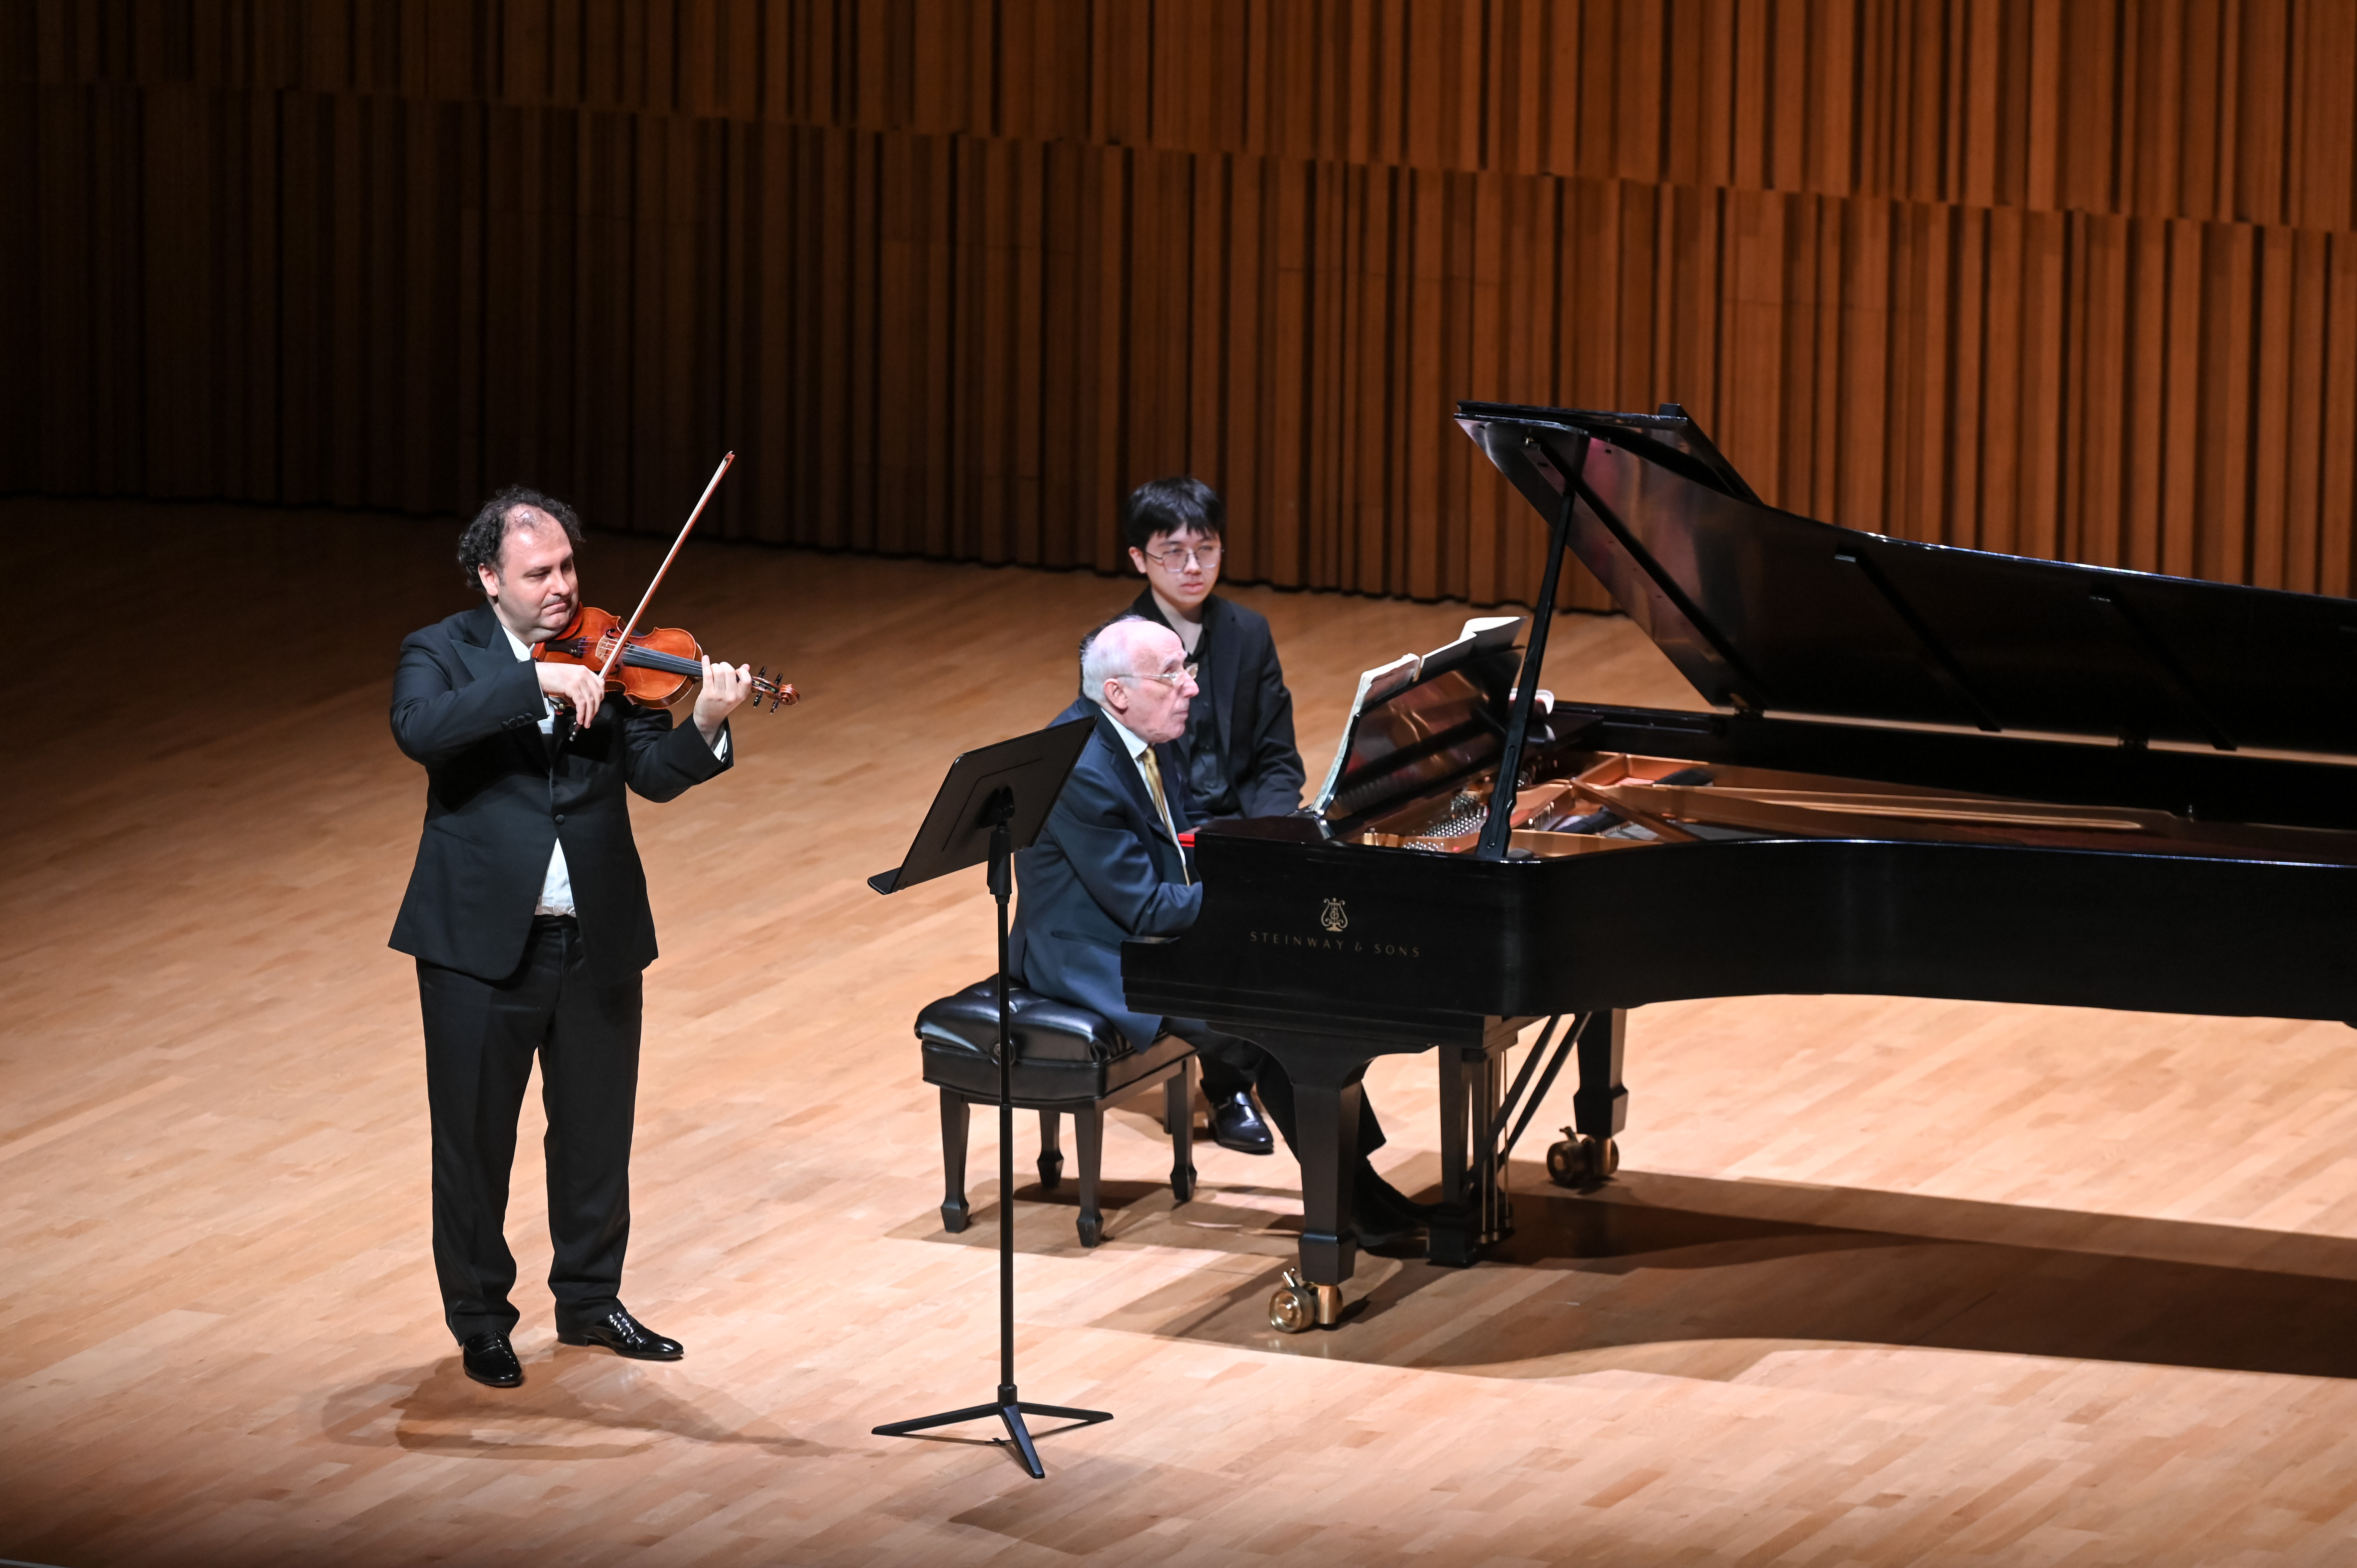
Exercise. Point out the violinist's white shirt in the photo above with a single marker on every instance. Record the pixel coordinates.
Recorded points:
(557, 887)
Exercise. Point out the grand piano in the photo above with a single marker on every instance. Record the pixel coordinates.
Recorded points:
(1928, 771)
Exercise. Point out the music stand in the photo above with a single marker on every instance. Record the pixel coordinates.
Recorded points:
(993, 802)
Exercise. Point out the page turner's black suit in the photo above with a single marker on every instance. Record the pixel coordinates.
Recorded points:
(1243, 714)
(496, 985)
(1244, 707)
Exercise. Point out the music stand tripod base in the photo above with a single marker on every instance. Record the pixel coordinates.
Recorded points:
(1011, 1411)
(993, 802)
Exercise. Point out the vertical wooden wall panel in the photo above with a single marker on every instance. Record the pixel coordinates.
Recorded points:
(2336, 505)
(953, 274)
(21, 333)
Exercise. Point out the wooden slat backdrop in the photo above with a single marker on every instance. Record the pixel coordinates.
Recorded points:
(2055, 276)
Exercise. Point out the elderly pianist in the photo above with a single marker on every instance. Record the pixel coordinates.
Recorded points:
(1108, 867)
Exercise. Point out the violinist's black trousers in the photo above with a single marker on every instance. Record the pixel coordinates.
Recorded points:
(480, 1037)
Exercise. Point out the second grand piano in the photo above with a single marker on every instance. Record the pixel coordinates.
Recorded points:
(1929, 772)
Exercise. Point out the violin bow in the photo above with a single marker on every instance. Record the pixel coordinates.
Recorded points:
(647, 598)
(631, 625)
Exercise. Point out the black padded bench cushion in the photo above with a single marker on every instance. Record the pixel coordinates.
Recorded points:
(1042, 1028)
(1062, 1052)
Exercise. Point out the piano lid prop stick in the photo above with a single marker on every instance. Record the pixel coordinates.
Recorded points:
(1499, 830)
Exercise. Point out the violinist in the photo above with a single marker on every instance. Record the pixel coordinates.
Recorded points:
(527, 914)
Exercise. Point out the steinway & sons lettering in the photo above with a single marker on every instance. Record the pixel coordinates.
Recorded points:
(1333, 944)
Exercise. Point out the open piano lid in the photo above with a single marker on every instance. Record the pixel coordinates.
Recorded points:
(1766, 611)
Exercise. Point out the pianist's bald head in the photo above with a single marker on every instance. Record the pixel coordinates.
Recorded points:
(1135, 670)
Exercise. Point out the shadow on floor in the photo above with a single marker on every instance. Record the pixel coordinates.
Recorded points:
(575, 1404)
(1702, 1278)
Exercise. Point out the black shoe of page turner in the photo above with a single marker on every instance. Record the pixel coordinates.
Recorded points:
(624, 1335)
(1236, 1123)
(490, 1360)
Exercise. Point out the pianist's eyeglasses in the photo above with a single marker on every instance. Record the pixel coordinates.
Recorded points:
(1169, 678)
(1175, 559)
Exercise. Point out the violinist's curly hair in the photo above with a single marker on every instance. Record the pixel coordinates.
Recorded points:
(479, 545)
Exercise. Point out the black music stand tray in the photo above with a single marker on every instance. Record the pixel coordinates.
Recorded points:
(992, 803)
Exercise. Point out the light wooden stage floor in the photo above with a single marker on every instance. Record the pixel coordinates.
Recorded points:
(1883, 1281)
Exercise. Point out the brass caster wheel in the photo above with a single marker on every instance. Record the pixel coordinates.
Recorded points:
(1581, 1160)
(1299, 1307)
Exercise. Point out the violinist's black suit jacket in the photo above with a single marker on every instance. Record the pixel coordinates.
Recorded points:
(497, 801)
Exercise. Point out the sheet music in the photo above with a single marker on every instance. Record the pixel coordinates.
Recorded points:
(1480, 634)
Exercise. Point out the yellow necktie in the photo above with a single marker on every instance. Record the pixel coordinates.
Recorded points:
(1153, 782)
(1162, 804)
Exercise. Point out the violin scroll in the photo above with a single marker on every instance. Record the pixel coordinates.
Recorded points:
(781, 693)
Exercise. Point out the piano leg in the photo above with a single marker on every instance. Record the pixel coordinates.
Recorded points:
(1179, 1121)
(1456, 1178)
(1600, 1107)
(1327, 1119)
(1324, 1071)
(1088, 1126)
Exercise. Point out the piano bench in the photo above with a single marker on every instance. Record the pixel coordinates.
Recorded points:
(1067, 1059)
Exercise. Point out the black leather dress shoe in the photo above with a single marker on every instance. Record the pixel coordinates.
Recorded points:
(624, 1335)
(490, 1360)
(1236, 1125)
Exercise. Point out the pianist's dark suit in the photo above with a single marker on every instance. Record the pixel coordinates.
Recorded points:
(1102, 871)
(496, 985)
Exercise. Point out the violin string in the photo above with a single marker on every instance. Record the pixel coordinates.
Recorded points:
(672, 664)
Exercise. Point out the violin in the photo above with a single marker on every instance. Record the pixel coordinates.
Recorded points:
(650, 668)
(656, 667)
